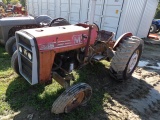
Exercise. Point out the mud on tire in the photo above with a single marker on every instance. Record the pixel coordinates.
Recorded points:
(14, 62)
(74, 96)
(126, 58)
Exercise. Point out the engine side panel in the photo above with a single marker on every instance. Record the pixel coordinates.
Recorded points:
(46, 62)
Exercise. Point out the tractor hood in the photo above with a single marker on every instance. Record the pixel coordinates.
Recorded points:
(61, 37)
(12, 21)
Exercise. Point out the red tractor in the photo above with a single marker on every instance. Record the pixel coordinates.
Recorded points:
(53, 52)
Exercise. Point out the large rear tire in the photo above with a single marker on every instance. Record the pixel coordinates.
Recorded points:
(71, 98)
(126, 58)
(14, 62)
(11, 45)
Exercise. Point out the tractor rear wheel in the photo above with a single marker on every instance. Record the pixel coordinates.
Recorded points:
(71, 98)
(126, 58)
(11, 45)
(153, 28)
(14, 62)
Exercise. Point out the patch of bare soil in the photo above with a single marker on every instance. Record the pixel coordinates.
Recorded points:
(139, 97)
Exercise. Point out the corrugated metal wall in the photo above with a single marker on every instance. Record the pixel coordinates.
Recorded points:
(147, 17)
(135, 16)
(131, 16)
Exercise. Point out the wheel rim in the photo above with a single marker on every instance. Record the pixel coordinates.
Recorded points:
(133, 61)
(151, 29)
(75, 102)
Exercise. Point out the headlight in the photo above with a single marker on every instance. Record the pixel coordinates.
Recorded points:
(20, 49)
(30, 56)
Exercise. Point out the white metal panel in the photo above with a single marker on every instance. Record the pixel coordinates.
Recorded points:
(33, 7)
(147, 18)
(44, 7)
(29, 6)
(51, 8)
(75, 7)
(98, 11)
(131, 16)
(111, 15)
(84, 10)
(64, 9)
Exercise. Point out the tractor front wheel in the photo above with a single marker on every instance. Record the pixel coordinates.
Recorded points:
(126, 58)
(71, 98)
(14, 62)
(11, 45)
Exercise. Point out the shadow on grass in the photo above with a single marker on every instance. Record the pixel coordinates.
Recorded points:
(5, 60)
(20, 94)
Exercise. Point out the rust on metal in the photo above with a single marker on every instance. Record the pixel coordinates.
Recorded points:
(153, 36)
(46, 62)
(75, 102)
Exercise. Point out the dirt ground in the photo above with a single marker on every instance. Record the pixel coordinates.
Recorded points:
(139, 97)
(135, 99)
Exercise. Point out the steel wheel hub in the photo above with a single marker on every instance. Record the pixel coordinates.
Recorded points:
(151, 29)
(75, 102)
(133, 61)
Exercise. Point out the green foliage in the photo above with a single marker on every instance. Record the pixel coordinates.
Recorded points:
(14, 2)
(4, 1)
(23, 2)
(157, 15)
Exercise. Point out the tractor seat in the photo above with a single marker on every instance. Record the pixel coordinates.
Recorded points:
(105, 36)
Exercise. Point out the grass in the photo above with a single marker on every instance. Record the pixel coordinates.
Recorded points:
(16, 93)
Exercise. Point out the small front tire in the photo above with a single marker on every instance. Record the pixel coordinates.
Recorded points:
(14, 62)
(11, 45)
(71, 98)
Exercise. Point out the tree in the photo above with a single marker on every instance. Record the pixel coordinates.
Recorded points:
(23, 2)
(14, 2)
(4, 1)
(157, 15)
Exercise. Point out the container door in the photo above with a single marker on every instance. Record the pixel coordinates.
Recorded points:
(147, 17)
(75, 9)
(131, 16)
(33, 7)
(64, 9)
(84, 10)
(29, 6)
(111, 15)
(51, 8)
(44, 7)
(98, 11)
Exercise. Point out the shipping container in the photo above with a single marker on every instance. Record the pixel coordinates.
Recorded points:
(118, 16)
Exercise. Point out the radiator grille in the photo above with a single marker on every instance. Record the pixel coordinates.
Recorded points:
(26, 63)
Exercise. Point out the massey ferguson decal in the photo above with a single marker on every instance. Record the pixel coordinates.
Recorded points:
(48, 46)
(76, 40)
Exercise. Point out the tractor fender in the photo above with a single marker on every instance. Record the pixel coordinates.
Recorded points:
(121, 38)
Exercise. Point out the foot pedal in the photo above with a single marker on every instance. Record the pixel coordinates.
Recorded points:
(98, 58)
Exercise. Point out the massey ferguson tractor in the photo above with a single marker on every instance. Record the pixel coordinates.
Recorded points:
(50, 53)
